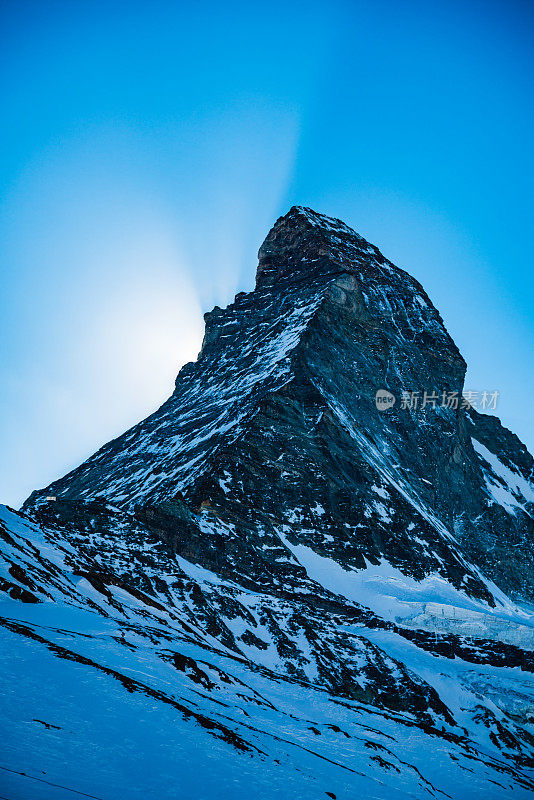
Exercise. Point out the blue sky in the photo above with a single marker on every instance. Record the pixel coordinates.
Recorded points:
(148, 147)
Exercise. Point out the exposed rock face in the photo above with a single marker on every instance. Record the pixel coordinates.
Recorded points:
(272, 516)
(280, 407)
(502, 541)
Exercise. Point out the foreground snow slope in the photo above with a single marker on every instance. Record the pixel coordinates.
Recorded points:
(98, 676)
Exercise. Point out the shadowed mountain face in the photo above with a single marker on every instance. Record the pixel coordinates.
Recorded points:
(276, 542)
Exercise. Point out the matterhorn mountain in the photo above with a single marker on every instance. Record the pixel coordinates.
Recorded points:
(309, 574)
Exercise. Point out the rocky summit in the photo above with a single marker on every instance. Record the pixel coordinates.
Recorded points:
(309, 574)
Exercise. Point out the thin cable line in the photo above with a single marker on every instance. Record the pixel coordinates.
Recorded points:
(42, 780)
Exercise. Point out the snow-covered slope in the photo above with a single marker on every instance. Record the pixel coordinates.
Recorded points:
(270, 582)
(115, 692)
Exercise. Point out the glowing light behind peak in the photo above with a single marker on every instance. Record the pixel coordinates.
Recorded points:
(117, 237)
(111, 316)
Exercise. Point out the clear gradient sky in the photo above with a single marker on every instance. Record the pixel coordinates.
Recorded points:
(148, 147)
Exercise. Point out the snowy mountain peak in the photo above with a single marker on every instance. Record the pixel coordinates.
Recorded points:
(332, 586)
(304, 243)
(324, 347)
